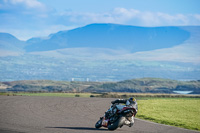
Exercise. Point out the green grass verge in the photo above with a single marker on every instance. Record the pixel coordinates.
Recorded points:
(180, 112)
(50, 94)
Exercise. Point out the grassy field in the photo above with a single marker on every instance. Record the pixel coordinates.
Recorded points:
(50, 94)
(180, 112)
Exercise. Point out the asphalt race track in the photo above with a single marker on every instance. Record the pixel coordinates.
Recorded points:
(27, 114)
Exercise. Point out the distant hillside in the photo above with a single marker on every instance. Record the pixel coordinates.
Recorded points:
(11, 43)
(144, 85)
(147, 85)
(112, 36)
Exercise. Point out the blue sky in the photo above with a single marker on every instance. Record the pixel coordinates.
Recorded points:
(32, 18)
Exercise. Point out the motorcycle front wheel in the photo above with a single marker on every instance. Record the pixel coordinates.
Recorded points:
(118, 123)
(98, 124)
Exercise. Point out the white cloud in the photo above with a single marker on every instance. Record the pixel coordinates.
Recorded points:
(23, 7)
(133, 17)
(197, 16)
(28, 3)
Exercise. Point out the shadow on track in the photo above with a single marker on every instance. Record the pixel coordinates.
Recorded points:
(80, 128)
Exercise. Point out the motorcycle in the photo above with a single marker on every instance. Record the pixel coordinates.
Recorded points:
(117, 116)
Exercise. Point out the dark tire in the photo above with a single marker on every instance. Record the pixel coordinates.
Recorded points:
(98, 124)
(116, 124)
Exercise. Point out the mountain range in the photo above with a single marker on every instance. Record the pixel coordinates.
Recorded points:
(111, 36)
(103, 52)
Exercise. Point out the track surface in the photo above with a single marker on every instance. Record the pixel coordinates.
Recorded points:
(25, 114)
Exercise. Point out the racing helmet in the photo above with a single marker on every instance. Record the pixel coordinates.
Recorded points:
(132, 100)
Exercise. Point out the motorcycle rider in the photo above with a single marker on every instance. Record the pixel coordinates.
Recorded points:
(115, 105)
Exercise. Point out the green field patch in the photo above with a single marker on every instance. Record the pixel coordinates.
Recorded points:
(50, 94)
(180, 112)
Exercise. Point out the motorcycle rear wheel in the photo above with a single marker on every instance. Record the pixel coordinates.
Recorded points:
(117, 123)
